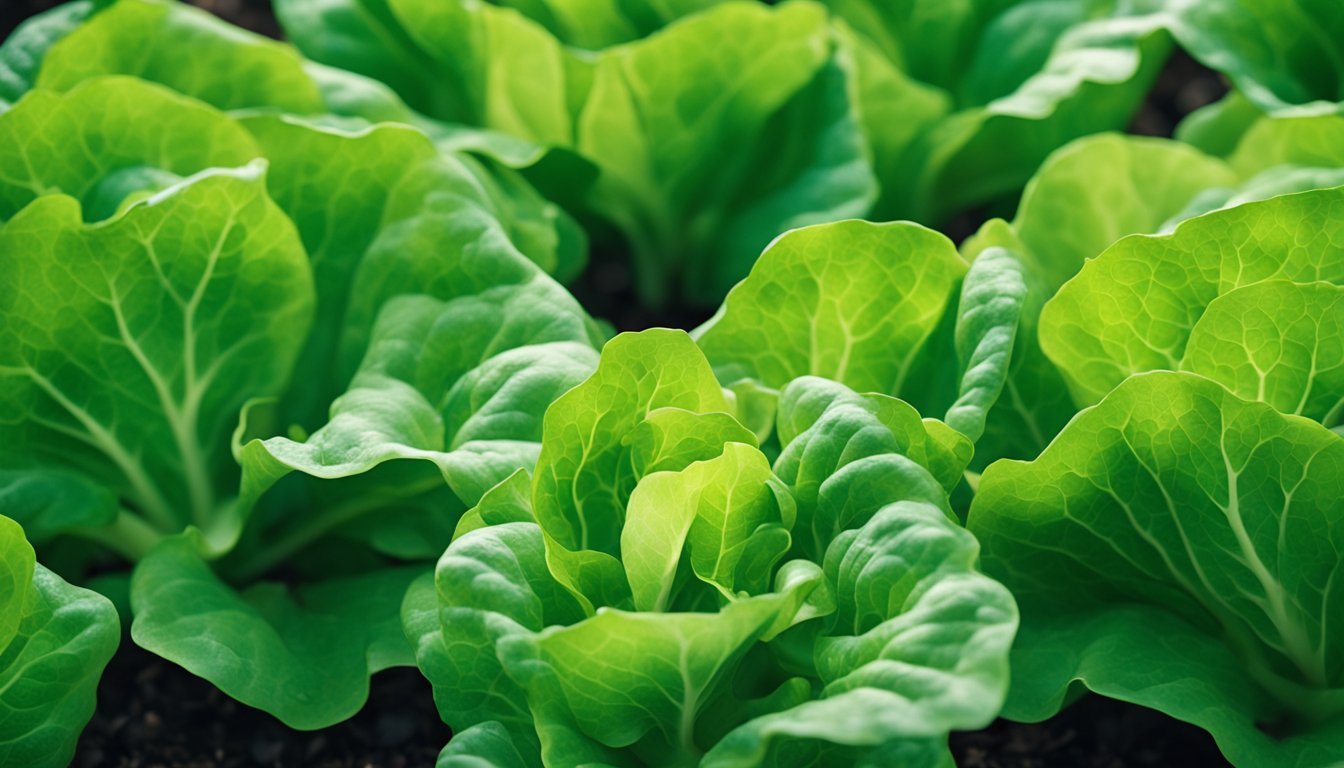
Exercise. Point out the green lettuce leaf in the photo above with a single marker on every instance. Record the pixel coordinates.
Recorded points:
(1097, 336)
(1277, 54)
(704, 163)
(1096, 191)
(274, 72)
(190, 304)
(22, 52)
(995, 87)
(728, 513)
(914, 650)
(884, 308)
(487, 745)
(343, 100)
(488, 51)
(129, 164)
(1277, 342)
(436, 389)
(1085, 197)
(825, 427)
(187, 41)
(585, 472)
(304, 655)
(990, 89)
(1177, 547)
(193, 52)
(362, 36)
(851, 301)
(55, 640)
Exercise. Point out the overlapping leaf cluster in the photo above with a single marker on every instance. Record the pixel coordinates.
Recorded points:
(277, 333)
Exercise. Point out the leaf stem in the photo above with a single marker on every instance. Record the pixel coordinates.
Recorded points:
(129, 536)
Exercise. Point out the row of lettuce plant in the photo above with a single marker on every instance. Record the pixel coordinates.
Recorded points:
(913, 109)
(698, 130)
(279, 336)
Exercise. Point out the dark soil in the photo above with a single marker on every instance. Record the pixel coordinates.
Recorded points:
(606, 289)
(1093, 733)
(153, 714)
(253, 14)
(1183, 86)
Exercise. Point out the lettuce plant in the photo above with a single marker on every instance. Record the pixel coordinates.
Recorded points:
(264, 297)
(196, 54)
(55, 640)
(675, 586)
(712, 126)
(984, 91)
(953, 105)
(1175, 547)
(1195, 502)
(666, 595)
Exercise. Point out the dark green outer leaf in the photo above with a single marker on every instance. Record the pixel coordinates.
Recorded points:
(1178, 547)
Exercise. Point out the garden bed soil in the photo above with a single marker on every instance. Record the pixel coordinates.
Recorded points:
(153, 714)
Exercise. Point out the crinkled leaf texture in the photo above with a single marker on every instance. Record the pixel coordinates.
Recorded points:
(187, 42)
(653, 603)
(194, 52)
(1085, 196)
(1178, 547)
(851, 301)
(55, 640)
